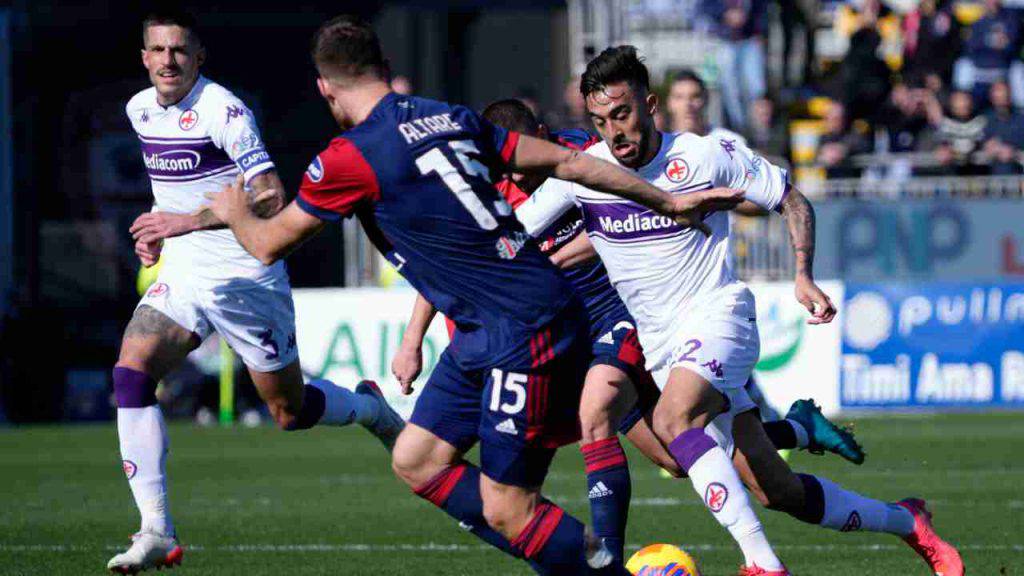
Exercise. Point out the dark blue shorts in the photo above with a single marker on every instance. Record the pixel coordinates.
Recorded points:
(520, 411)
(615, 343)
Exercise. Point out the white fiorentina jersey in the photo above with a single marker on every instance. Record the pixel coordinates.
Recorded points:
(661, 269)
(193, 148)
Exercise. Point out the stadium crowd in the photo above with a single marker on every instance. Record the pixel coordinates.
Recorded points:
(929, 88)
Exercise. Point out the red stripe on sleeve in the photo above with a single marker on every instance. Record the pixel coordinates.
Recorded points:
(511, 141)
(339, 180)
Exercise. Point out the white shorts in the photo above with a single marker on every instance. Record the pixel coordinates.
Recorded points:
(720, 343)
(257, 319)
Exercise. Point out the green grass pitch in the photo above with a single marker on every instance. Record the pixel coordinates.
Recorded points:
(258, 501)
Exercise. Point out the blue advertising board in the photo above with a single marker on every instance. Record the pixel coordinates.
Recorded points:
(932, 345)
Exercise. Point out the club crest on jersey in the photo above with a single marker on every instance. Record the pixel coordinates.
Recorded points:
(509, 246)
(188, 119)
(158, 289)
(129, 468)
(677, 171)
(715, 496)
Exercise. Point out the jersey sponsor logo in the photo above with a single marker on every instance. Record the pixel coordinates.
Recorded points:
(177, 161)
(246, 142)
(130, 469)
(677, 171)
(628, 222)
(234, 112)
(420, 128)
(158, 289)
(315, 171)
(715, 496)
(188, 119)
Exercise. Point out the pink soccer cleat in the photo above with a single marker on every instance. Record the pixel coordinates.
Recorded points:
(756, 570)
(942, 557)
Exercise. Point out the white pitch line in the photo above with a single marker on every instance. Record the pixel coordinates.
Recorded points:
(445, 548)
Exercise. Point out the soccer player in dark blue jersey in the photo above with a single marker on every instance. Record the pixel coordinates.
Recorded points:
(418, 173)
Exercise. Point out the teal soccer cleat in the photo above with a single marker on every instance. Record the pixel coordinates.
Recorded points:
(823, 435)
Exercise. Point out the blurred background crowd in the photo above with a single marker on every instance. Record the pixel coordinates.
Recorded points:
(901, 119)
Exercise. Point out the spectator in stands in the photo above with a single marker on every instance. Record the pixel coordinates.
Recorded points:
(573, 111)
(802, 15)
(768, 133)
(905, 118)
(741, 25)
(958, 134)
(839, 143)
(990, 53)
(863, 77)
(1004, 132)
(931, 43)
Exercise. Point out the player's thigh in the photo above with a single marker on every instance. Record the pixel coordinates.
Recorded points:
(760, 465)
(419, 455)
(449, 405)
(687, 401)
(257, 321)
(166, 326)
(281, 389)
(608, 394)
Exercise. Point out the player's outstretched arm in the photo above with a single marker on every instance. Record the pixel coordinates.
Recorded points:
(799, 215)
(267, 239)
(408, 361)
(266, 196)
(533, 155)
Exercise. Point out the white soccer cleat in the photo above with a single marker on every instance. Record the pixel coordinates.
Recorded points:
(388, 424)
(148, 550)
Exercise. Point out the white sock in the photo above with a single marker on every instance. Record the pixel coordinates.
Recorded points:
(802, 439)
(343, 406)
(714, 478)
(142, 435)
(848, 512)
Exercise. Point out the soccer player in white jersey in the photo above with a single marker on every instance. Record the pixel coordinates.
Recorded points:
(197, 137)
(687, 106)
(697, 322)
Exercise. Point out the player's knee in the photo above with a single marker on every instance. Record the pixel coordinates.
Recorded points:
(408, 465)
(596, 424)
(668, 422)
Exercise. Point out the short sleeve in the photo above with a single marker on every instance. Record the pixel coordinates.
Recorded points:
(338, 181)
(734, 165)
(495, 142)
(240, 138)
(545, 206)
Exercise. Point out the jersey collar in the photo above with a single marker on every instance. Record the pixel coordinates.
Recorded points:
(189, 99)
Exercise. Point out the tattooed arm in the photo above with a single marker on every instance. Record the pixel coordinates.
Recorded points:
(266, 197)
(799, 215)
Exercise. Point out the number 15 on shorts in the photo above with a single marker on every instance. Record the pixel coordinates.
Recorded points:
(508, 391)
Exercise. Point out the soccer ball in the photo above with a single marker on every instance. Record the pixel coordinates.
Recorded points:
(662, 560)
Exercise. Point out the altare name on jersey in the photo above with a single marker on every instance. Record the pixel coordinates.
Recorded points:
(421, 128)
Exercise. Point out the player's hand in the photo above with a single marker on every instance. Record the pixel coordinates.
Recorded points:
(148, 252)
(230, 203)
(155, 226)
(689, 209)
(406, 366)
(815, 300)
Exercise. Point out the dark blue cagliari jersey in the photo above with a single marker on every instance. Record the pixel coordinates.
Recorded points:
(418, 173)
